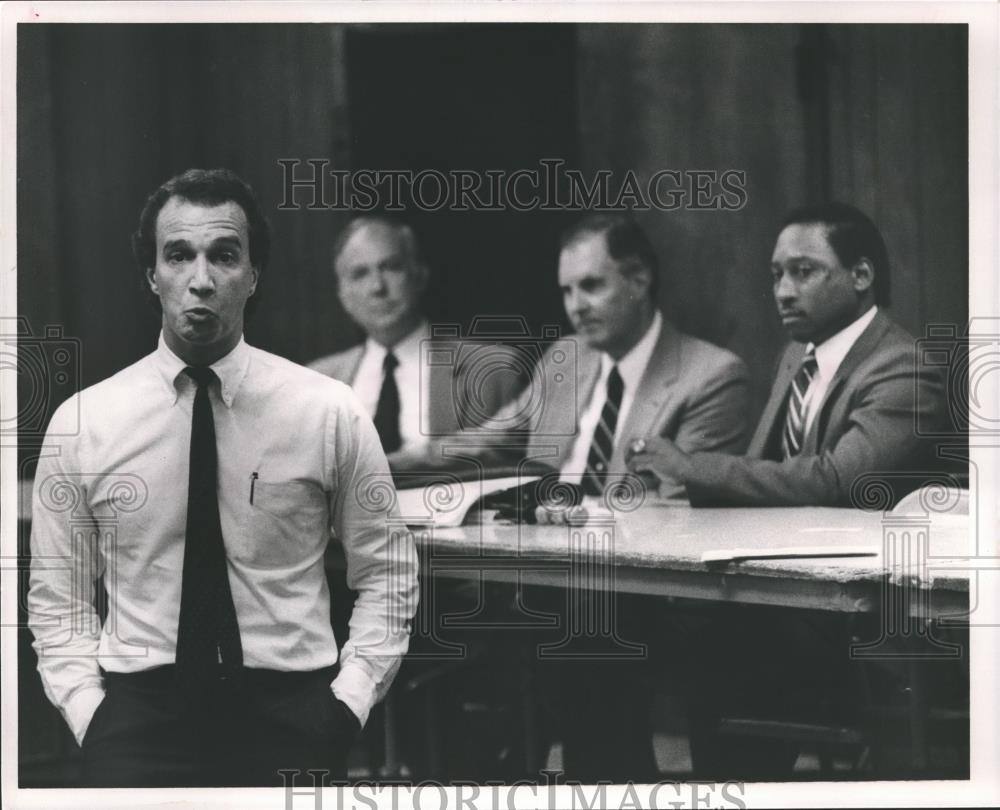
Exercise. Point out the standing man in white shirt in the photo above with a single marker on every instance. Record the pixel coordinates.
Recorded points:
(222, 470)
(381, 278)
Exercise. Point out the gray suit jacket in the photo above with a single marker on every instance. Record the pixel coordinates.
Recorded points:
(463, 394)
(691, 392)
(866, 424)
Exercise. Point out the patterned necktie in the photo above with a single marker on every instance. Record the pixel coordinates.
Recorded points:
(795, 416)
(208, 630)
(601, 446)
(387, 411)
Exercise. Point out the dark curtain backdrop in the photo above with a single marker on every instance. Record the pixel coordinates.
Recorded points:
(855, 112)
(106, 112)
(875, 115)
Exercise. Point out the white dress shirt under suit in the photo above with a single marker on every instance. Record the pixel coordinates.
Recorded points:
(300, 443)
(829, 355)
(631, 367)
(411, 380)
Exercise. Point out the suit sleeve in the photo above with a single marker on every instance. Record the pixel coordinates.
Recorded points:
(715, 419)
(509, 401)
(501, 389)
(880, 437)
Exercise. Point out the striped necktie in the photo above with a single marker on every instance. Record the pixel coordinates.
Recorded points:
(602, 445)
(795, 416)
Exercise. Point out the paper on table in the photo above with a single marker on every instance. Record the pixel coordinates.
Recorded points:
(796, 552)
(447, 503)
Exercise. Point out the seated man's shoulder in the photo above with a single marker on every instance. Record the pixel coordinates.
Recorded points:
(338, 365)
(896, 339)
(890, 347)
(698, 353)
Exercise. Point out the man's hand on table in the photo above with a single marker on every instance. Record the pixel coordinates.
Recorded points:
(655, 459)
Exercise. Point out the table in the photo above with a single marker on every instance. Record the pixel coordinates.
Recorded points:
(919, 574)
(656, 550)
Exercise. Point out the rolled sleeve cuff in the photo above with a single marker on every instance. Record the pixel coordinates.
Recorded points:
(356, 688)
(80, 708)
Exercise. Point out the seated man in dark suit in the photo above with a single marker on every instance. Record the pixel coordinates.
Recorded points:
(381, 278)
(844, 404)
(848, 390)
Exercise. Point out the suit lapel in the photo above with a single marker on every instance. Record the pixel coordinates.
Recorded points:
(440, 417)
(559, 424)
(589, 370)
(352, 361)
(863, 347)
(654, 388)
(774, 412)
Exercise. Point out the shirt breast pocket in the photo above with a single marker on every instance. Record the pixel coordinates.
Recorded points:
(288, 523)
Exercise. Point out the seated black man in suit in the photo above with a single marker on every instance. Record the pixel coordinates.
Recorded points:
(846, 398)
(845, 401)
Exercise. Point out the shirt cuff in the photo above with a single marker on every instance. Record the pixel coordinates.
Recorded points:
(356, 688)
(80, 708)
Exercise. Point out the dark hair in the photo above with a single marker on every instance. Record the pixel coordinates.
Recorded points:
(357, 223)
(852, 236)
(625, 241)
(204, 187)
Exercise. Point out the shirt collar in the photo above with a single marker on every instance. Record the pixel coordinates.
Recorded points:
(407, 350)
(231, 369)
(832, 351)
(633, 364)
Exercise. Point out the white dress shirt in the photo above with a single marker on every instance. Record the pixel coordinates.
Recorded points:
(111, 498)
(631, 367)
(411, 380)
(829, 355)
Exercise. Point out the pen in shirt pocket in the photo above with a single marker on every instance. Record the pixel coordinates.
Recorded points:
(253, 483)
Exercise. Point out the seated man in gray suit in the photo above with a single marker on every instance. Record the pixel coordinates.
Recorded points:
(844, 404)
(380, 280)
(636, 374)
(849, 388)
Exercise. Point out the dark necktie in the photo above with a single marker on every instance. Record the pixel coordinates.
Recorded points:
(795, 415)
(387, 411)
(208, 630)
(602, 445)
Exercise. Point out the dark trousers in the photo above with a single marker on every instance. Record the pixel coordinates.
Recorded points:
(146, 733)
(597, 689)
(763, 663)
(601, 711)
